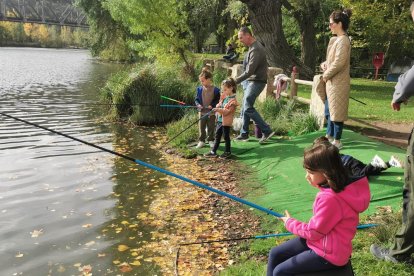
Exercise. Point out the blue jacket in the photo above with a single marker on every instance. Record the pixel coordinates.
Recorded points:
(199, 98)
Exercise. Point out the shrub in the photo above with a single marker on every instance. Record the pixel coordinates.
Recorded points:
(287, 117)
(136, 94)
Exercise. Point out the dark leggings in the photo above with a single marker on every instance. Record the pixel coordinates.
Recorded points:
(294, 257)
(220, 129)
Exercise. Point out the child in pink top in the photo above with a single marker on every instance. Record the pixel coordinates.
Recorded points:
(325, 242)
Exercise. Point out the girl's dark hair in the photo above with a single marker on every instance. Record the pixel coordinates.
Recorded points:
(230, 82)
(206, 73)
(325, 159)
(343, 17)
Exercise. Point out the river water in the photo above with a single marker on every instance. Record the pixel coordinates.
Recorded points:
(65, 205)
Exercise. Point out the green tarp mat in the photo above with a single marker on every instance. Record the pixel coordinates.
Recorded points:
(282, 184)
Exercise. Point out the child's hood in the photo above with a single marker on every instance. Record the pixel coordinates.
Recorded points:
(356, 194)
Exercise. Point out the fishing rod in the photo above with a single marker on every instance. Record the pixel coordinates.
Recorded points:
(357, 100)
(359, 227)
(152, 167)
(202, 117)
(166, 98)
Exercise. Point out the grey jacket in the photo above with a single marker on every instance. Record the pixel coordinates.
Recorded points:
(255, 64)
(405, 87)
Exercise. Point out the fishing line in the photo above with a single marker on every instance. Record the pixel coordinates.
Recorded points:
(114, 104)
(178, 134)
(155, 168)
(361, 226)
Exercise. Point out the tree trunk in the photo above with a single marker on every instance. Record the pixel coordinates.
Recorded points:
(308, 42)
(266, 19)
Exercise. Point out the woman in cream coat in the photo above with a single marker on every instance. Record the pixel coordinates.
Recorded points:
(336, 75)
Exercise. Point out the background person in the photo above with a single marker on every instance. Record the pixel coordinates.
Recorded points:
(225, 110)
(403, 245)
(336, 75)
(254, 77)
(207, 96)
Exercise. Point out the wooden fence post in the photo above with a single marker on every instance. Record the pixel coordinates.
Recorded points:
(293, 84)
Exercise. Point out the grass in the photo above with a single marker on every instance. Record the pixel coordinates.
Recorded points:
(377, 95)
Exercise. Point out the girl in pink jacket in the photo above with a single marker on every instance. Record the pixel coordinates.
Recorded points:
(325, 242)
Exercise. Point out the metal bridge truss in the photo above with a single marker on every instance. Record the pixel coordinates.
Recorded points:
(52, 12)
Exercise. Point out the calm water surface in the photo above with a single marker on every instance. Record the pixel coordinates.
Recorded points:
(64, 205)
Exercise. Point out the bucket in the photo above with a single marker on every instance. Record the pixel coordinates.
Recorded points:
(257, 132)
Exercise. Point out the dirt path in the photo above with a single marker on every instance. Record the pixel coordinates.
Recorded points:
(389, 133)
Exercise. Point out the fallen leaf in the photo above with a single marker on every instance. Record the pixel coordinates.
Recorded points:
(36, 233)
(86, 269)
(122, 248)
(90, 243)
(125, 267)
(136, 263)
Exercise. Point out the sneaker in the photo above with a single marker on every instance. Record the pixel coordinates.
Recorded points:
(210, 154)
(225, 155)
(337, 144)
(378, 162)
(242, 137)
(200, 145)
(211, 143)
(382, 253)
(395, 162)
(330, 138)
(266, 137)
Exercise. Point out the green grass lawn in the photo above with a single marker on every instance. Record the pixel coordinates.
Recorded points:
(377, 95)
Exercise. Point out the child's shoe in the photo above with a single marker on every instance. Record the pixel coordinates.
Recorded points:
(395, 162)
(330, 138)
(200, 145)
(210, 154)
(337, 144)
(225, 155)
(378, 162)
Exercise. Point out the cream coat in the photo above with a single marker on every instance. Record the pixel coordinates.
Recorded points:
(338, 81)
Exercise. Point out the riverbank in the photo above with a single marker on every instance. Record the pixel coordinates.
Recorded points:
(198, 216)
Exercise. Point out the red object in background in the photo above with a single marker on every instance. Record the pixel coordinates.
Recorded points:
(378, 62)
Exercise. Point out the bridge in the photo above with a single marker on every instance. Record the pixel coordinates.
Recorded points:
(51, 12)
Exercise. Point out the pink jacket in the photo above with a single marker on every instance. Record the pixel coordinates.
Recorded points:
(335, 217)
(227, 111)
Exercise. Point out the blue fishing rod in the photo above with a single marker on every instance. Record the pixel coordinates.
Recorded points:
(185, 179)
(155, 168)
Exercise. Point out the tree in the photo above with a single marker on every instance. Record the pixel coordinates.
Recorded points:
(306, 13)
(266, 19)
(162, 25)
(200, 20)
(107, 35)
(381, 26)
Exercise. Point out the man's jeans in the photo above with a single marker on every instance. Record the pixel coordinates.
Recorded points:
(252, 90)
